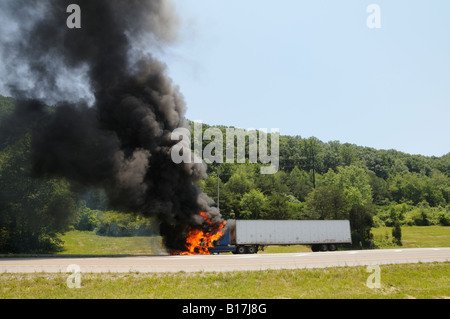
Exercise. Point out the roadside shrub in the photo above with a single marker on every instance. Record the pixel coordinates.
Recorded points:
(87, 219)
(388, 215)
(397, 233)
(378, 222)
(123, 225)
(444, 218)
(420, 215)
(424, 215)
(384, 240)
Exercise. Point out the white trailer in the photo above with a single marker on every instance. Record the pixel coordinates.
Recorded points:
(247, 236)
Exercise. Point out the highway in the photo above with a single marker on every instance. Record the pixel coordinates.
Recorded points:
(218, 263)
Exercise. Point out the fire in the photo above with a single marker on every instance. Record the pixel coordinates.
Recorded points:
(198, 241)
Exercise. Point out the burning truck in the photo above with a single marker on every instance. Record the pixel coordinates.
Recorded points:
(249, 236)
(102, 110)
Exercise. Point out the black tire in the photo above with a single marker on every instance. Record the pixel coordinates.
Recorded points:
(241, 250)
(332, 247)
(315, 248)
(323, 247)
(252, 249)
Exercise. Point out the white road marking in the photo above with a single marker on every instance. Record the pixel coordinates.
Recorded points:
(184, 257)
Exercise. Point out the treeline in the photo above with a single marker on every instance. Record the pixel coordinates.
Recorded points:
(315, 180)
(318, 180)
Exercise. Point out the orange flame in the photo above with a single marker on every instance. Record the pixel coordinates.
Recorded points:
(198, 242)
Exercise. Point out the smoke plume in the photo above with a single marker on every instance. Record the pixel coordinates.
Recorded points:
(114, 106)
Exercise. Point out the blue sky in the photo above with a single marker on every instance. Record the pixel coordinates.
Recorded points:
(314, 68)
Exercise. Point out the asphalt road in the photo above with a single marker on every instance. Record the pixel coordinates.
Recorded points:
(144, 264)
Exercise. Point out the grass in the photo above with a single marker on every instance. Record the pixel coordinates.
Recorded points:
(286, 249)
(421, 281)
(414, 236)
(87, 243)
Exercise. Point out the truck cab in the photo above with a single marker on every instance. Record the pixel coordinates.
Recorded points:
(222, 245)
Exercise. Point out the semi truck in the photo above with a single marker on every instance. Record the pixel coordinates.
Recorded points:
(250, 236)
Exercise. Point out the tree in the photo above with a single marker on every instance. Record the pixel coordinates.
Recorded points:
(348, 154)
(210, 186)
(32, 212)
(354, 181)
(290, 152)
(326, 202)
(416, 188)
(311, 150)
(254, 202)
(355, 184)
(361, 223)
(398, 167)
(229, 204)
(299, 184)
(240, 182)
(380, 188)
(376, 163)
(397, 232)
(272, 183)
(277, 207)
(87, 218)
(331, 156)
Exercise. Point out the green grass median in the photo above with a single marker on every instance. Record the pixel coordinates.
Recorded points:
(422, 281)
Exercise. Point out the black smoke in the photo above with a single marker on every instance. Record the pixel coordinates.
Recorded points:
(114, 106)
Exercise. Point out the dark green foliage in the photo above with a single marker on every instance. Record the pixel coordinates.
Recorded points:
(316, 180)
(87, 218)
(327, 202)
(111, 223)
(397, 233)
(444, 218)
(123, 225)
(331, 180)
(32, 212)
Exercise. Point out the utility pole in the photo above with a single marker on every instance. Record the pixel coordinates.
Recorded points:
(218, 186)
(314, 168)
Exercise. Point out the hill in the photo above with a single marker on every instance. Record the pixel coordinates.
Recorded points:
(315, 180)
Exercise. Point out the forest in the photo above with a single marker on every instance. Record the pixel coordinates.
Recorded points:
(315, 180)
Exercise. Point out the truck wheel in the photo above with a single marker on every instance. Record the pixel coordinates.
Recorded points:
(315, 248)
(241, 250)
(323, 247)
(252, 250)
(332, 247)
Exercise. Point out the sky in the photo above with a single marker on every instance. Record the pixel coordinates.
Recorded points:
(314, 68)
